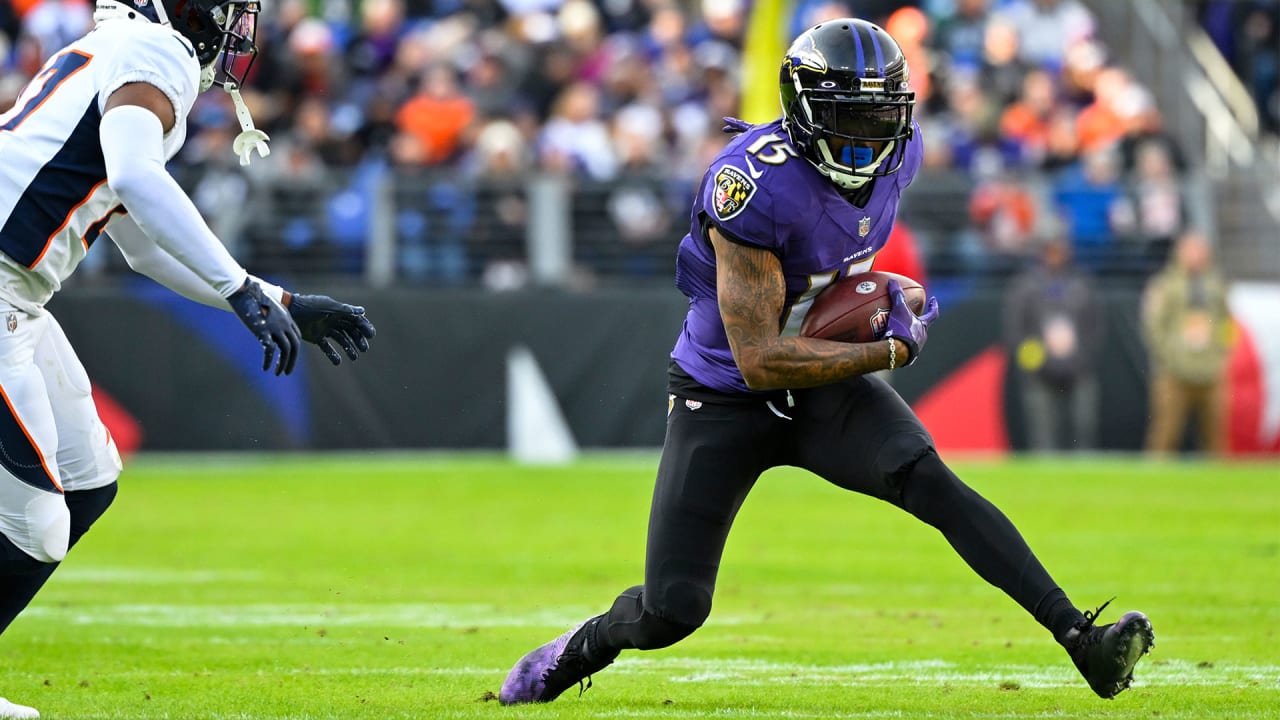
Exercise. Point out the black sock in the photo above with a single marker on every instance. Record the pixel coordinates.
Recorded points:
(986, 540)
(21, 576)
(1055, 612)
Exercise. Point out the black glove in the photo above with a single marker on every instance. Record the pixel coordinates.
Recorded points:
(274, 328)
(321, 318)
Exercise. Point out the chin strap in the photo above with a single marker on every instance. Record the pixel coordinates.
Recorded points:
(250, 138)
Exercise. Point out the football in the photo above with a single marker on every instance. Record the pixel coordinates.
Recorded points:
(855, 309)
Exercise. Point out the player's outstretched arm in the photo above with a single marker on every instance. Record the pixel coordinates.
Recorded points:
(751, 290)
(132, 134)
(322, 319)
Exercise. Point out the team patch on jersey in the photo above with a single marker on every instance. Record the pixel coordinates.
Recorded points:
(733, 191)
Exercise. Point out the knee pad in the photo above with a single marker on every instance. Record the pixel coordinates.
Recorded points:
(42, 532)
(14, 561)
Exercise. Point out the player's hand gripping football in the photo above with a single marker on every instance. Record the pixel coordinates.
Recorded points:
(906, 326)
(321, 319)
(267, 320)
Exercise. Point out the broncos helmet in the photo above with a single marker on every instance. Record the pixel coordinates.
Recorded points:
(216, 28)
(846, 100)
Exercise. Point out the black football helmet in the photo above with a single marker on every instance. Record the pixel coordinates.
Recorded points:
(846, 100)
(217, 29)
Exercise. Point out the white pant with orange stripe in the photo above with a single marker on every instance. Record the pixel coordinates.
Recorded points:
(51, 438)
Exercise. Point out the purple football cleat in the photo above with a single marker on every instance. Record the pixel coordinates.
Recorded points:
(1106, 655)
(546, 672)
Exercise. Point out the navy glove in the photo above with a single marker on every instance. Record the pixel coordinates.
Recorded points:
(321, 319)
(904, 325)
(267, 320)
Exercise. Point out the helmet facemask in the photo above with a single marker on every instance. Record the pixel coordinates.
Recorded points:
(224, 39)
(852, 138)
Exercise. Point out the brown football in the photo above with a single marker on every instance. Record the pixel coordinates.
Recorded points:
(855, 309)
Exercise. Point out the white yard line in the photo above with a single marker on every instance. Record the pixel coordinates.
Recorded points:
(311, 614)
(153, 576)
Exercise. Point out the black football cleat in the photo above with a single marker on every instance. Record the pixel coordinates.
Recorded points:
(547, 671)
(1106, 655)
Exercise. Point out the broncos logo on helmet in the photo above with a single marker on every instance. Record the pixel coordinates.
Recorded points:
(846, 101)
(217, 29)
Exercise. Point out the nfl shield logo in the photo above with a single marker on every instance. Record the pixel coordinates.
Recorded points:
(12, 322)
(864, 226)
(879, 321)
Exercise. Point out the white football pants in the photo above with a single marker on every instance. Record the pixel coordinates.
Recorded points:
(51, 439)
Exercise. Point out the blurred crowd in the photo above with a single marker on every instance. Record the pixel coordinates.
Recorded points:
(1247, 32)
(1018, 97)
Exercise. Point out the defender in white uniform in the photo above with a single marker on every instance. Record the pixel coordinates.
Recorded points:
(82, 151)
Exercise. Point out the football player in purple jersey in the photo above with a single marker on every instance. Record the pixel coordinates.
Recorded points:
(787, 208)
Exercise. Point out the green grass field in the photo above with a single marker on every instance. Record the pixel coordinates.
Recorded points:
(388, 586)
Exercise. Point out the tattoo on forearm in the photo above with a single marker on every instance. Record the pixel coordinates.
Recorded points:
(751, 291)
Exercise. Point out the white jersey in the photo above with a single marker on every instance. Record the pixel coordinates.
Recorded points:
(54, 198)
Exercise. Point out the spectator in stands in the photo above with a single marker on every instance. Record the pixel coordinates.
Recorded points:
(1052, 332)
(1258, 59)
(910, 27)
(1003, 210)
(54, 24)
(1160, 211)
(1083, 61)
(1144, 125)
(438, 116)
(1090, 197)
(373, 49)
(1046, 28)
(1247, 32)
(1027, 121)
(1002, 69)
(501, 159)
(1187, 327)
(1101, 123)
(1062, 145)
(959, 36)
(575, 140)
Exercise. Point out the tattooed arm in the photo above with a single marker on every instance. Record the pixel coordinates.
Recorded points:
(751, 291)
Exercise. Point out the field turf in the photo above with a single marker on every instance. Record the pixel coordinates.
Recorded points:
(399, 586)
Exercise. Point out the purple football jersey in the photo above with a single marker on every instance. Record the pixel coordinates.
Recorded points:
(759, 192)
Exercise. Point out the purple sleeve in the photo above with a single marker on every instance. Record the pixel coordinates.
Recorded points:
(735, 200)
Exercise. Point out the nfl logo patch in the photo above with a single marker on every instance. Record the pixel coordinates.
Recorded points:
(732, 192)
(864, 226)
(879, 321)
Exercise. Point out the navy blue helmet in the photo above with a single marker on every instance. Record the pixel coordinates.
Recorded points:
(216, 28)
